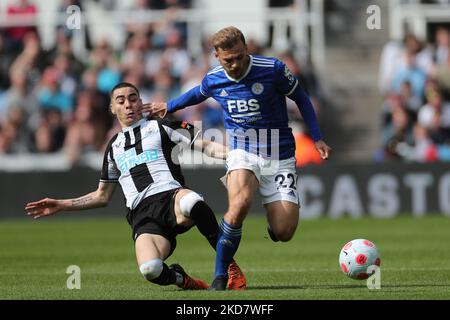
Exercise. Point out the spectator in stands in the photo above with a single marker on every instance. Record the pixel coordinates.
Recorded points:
(31, 60)
(139, 81)
(6, 59)
(421, 54)
(442, 46)
(86, 131)
(100, 100)
(254, 47)
(391, 102)
(18, 96)
(424, 150)
(165, 84)
(138, 25)
(50, 94)
(410, 73)
(7, 135)
(136, 47)
(410, 102)
(14, 132)
(133, 61)
(67, 81)
(63, 45)
(165, 28)
(39, 86)
(435, 117)
(442, 76)
(397, 132)
(176, 55)
(397, 56)
(104, 60)
(16, 34)
(411, 131)
(49, 135)
(389, 63)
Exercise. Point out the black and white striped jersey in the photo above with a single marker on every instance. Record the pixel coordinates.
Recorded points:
(140, 158)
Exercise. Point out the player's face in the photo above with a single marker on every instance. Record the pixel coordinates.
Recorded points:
(235, 60)
(127, 106)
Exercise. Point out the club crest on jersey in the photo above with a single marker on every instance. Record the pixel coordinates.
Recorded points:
(288, 74)
(257, 88)
(119, 144)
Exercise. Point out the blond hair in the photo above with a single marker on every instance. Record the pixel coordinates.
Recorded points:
(227, 38)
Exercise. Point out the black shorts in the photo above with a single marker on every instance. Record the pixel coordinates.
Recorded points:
(156, 215)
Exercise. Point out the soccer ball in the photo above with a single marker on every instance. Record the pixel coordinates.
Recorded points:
(356, 256)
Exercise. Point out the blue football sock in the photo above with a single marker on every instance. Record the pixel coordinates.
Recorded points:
(227, 245)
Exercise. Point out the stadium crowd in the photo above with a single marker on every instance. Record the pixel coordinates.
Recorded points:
(415, 81)
(52, 100)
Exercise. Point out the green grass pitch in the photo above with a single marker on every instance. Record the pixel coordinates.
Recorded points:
(415, 255)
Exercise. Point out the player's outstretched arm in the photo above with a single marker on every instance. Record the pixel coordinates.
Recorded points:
(301, 98)
(48, 206)
(211, 148)
(190, 98)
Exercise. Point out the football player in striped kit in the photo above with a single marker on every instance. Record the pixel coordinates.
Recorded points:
(252, 92)
(139, 158)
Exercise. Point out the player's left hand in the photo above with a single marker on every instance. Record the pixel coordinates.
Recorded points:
(323, 149)
(43, 208)
(155, 109)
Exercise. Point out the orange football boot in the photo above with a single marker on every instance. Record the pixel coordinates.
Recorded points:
(189, 283)
(236, 279)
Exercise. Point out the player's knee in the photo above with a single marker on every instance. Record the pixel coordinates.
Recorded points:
(151, 269)
(188, 201)
(242, 205)
(237, 213)
(285, 237)
(285, 234)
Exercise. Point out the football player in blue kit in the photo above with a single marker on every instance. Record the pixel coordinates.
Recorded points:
(252, 91)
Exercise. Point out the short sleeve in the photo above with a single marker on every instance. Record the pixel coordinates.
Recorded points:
(285, 81)
(110, 173)
(181, 132)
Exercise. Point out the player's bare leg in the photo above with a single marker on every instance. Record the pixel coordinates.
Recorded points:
(241, 185)
(190, 208)
(282, 217)
(151, 250)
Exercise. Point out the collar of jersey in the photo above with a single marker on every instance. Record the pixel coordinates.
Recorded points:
(134, 125)
(246, 72)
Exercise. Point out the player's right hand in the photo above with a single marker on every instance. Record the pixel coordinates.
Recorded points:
(323, 149)
(42, 208)
(158, 109)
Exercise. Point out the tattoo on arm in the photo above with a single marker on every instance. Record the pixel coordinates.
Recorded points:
(96, 199)
(83, 202)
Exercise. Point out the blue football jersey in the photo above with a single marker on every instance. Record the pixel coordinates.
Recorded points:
(254, 107)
